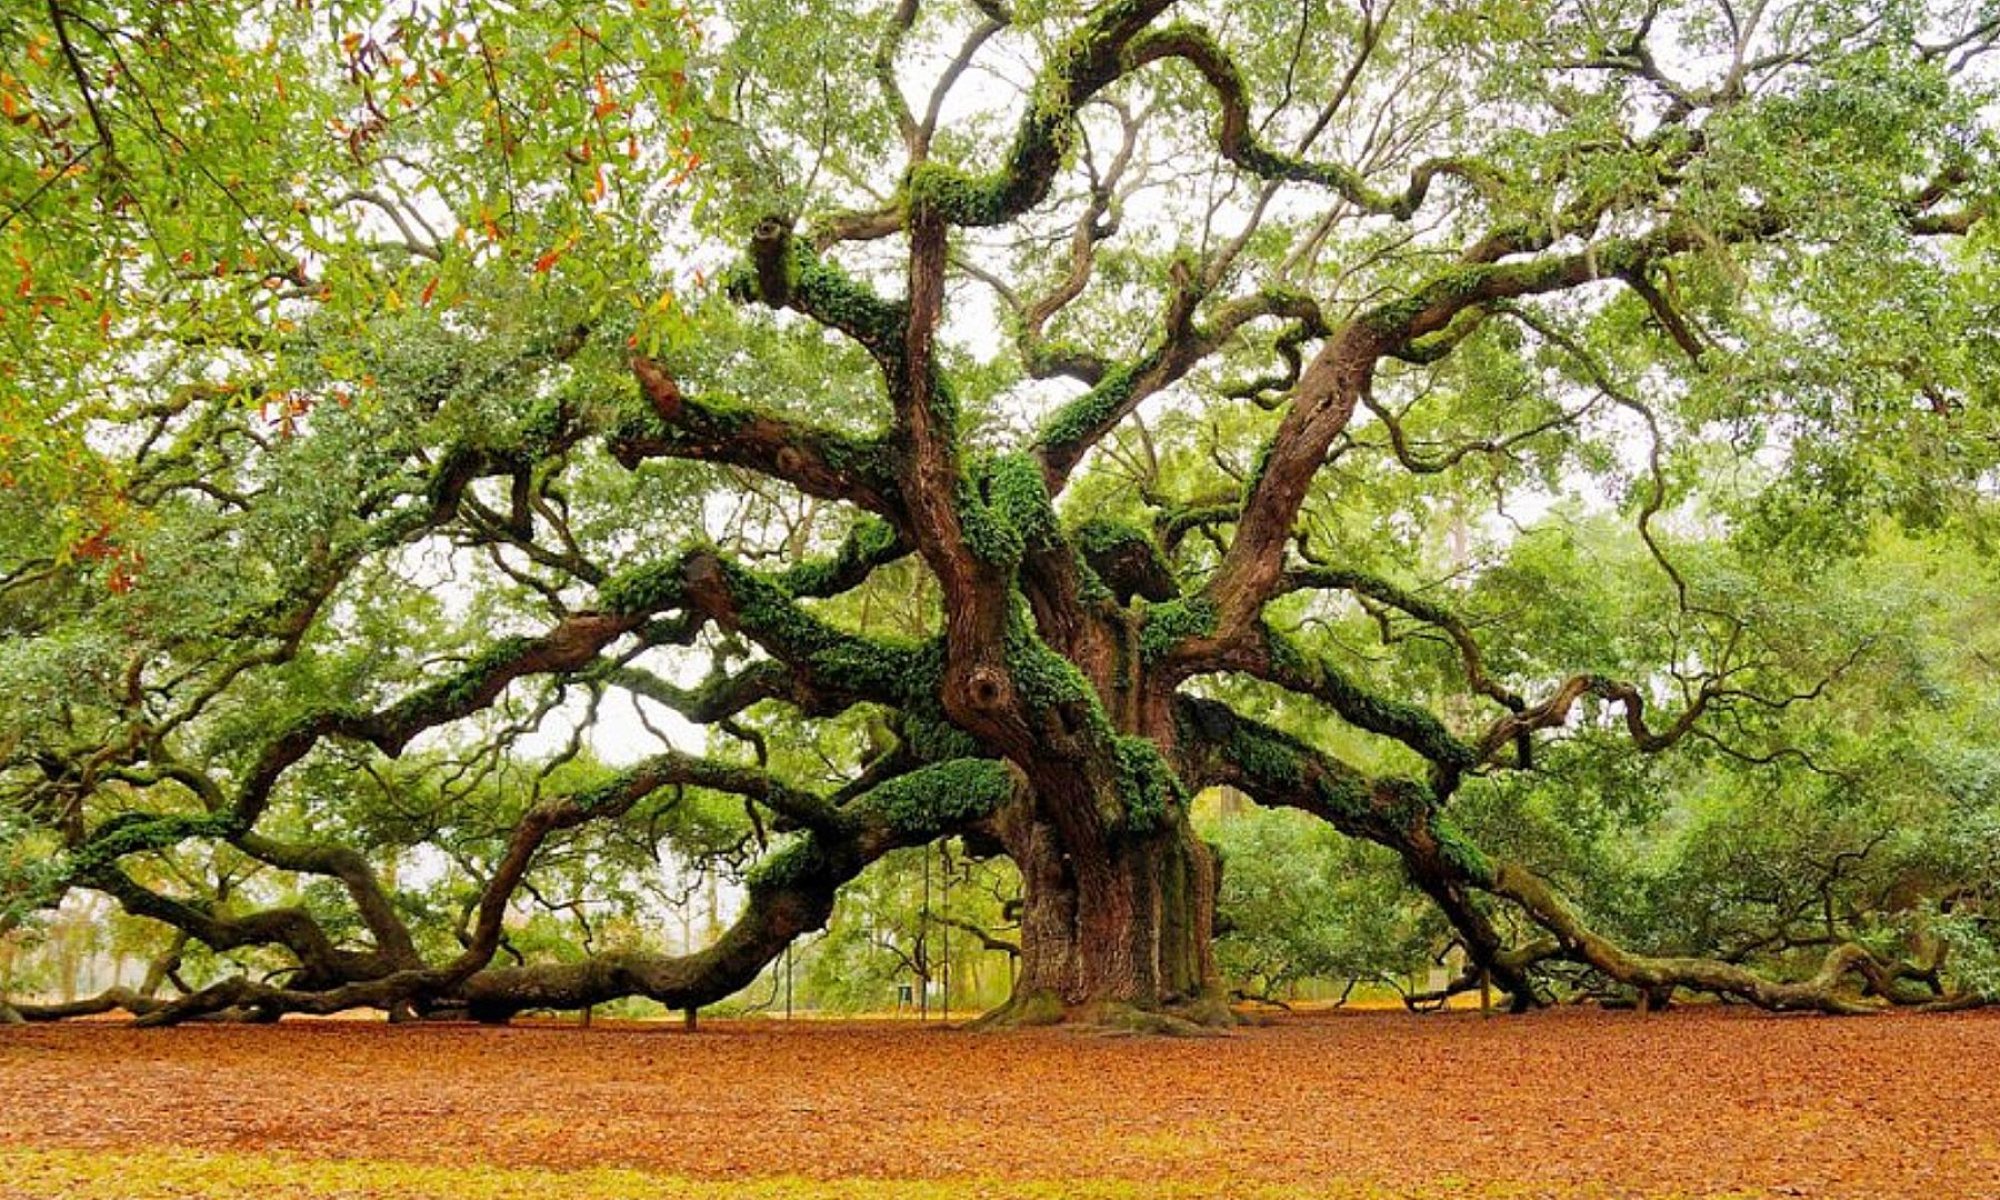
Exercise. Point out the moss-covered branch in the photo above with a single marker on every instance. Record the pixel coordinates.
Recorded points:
(789, 893)
(1824, 991)
(1278, 658)
(1239, 143)
(1279, 770)
(1087, 61)
(817, 461)
(783, 271)
(1073, 428)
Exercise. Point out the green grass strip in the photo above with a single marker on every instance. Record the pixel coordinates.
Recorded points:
(174, 1174)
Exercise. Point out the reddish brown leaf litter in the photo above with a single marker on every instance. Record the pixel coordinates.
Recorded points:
(1696, 1101)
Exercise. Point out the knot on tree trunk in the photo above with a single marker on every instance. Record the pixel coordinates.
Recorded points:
(771, 252)
(986, 688)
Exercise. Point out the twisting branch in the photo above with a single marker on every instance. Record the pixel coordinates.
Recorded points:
(1430, 612)
(819, 462)
(1240, 144)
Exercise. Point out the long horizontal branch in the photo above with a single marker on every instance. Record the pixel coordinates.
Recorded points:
(789, 893)
(1361, 583)
(1278, 769)
(1278, 658)
(817, 461)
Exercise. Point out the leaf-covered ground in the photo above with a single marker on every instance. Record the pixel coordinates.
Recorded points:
(1573, 1104)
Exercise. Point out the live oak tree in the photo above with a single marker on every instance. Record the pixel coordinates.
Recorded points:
(987, 422)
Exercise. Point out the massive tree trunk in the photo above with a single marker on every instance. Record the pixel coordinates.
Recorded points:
(1112, 932)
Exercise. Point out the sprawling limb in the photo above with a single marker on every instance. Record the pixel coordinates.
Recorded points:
(789, 893)
(1276, 769)
(818, 462)
(1280, 770)
(117, 999)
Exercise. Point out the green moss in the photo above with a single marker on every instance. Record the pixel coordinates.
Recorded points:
(462, 688)
(988, 534)
(1082, 64)
(1412, 724)
(835, 298)
(1119, 560)
(544, 424)
(1091, 588)
(869, 543)
(896, 671)
(1043, 678)
(1343, 793)
(636, 429)
(1267, 760)
(1004, 509)
(937, 799)
(1405, 802)
(1460, 852)
(1274, 763)
(1147, 785)
(829, 295)
(1077, 420)
(1168, 625)
(647, 588)
(872, 458)
(933, 738)
(959, 198)
(1183, 518)
(798, 857)
(612, 791)
(740, 282)
(1258, 467)
(1108, 535)
(904, 674)
(138, 833)
(1015, 487)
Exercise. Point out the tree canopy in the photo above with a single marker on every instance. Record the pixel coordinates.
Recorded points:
(460, 455)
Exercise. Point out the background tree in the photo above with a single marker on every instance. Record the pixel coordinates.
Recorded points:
(987, 422)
